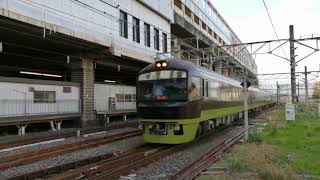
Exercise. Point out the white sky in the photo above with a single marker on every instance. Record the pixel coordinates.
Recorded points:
(249, 20)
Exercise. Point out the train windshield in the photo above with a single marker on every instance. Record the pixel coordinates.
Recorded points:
(167, 85)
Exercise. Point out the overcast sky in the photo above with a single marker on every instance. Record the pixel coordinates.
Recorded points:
(249, 20)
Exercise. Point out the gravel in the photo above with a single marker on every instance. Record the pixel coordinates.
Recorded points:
(66, 141)
(169, 164)
(75, 156)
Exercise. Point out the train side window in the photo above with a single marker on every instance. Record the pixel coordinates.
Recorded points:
(214, 89)
(203, 88)
(44, 96)
(207, 89)
(195, 88)
(127, 98)
(120, 97)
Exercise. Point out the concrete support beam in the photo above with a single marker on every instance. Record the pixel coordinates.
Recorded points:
(177, 49)
(219, 67)
(22, 129)
(52, 126)
(83, 72)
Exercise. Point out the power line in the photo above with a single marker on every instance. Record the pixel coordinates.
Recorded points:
(274, 29)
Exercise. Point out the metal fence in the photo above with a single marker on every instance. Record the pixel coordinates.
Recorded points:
(13, 107)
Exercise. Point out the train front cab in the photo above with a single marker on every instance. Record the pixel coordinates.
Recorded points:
(168, 122)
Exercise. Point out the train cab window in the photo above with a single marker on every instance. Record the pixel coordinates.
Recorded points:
(166, 74)
(195, 88)
(166, 85)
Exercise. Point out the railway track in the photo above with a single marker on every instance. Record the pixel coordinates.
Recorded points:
(56, 135)
(192, 170)
(113, 165)
(37, 155)
(109, 166)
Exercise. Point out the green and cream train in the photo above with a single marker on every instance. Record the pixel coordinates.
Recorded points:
(177, 101)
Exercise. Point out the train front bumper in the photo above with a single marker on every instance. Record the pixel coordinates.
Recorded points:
(165, 132)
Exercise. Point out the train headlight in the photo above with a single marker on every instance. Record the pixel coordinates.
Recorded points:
(164, 64)
(161, 64)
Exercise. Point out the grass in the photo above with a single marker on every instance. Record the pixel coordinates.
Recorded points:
(299, 143)
(277, 150)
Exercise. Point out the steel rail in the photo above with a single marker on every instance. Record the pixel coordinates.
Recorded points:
(108, 167)
(56, 135)
(193, 169)
(33, 156)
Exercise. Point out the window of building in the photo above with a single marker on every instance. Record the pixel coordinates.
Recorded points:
(210, 31)
(44, 96)
(123, 23)
(156, 39)
(136, 29)
(178, 4)
(164, 42)
(146, 34)
(66, 89)
(188, 11)
(204, 26)
(196, 19)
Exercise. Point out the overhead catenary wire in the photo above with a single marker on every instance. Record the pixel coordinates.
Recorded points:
(274, 29)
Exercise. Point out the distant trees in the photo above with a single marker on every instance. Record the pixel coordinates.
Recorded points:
(316, 90)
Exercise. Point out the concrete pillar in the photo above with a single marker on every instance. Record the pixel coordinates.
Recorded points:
(108, 120)
(83, 72)
(21, 129)
(177, 49)
(58, 124)
(231, 72)
(219, 67)
(52, 126)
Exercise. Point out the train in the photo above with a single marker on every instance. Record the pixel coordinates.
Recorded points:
(178, 101)
(21, 97)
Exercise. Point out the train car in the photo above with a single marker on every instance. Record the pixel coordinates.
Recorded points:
(114, 97)
(177, 101)
(29, 97)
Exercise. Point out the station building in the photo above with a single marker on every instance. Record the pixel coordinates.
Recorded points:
(78, 59)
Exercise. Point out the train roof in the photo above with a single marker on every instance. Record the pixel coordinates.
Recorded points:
(195, 70)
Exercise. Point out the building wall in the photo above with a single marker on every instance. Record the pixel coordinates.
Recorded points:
(94, 20)
(16, 99)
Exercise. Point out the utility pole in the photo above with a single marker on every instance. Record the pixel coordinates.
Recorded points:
(306, 83)
(245, 103)
(278, 89)
(292, 64)
(298, 90)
